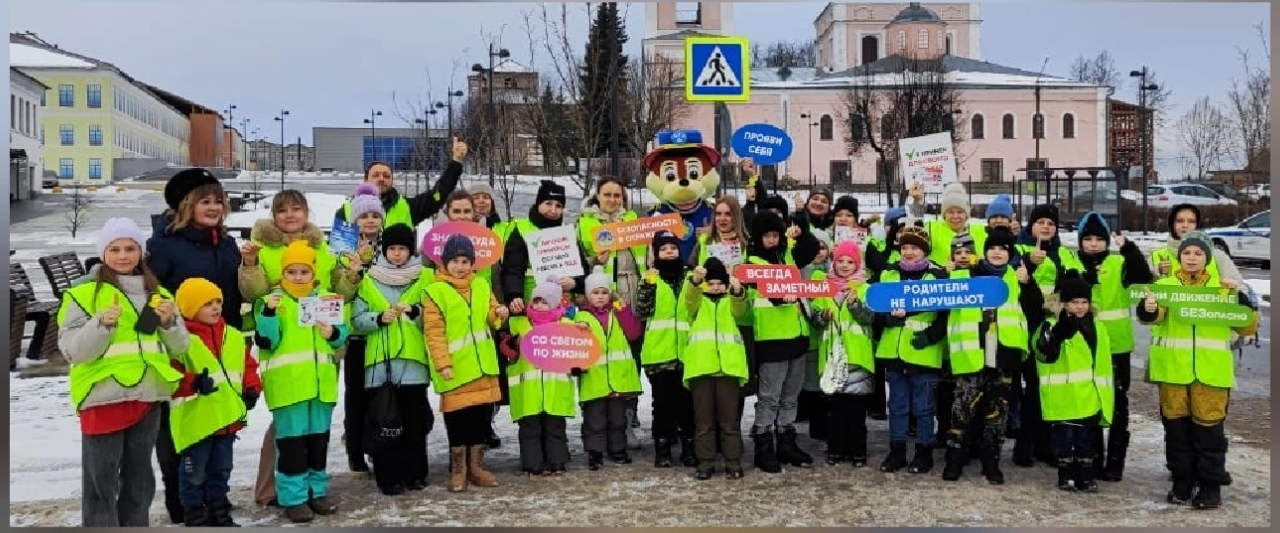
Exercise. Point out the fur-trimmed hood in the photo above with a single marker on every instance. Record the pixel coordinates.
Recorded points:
(266, 232)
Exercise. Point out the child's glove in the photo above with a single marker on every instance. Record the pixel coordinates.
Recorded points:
(575, 372)
(920, 340)
(250, 398)
(203, 384)
(1066, 327)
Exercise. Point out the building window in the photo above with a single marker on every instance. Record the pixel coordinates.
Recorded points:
(886, 127)
(688, 12)
(977, 127)
(992, 170)
(923, 39)
(948, 49)
(870, 49)
(42, 95)
(94, 95)
(1068, 126)
(13, 116)
(66, 95)
(1034, 165)
(95, 169)
(95, 135)
(902, 40)
(857, 129)
(1007, 125)
(66, 169)
(824, 128)
(1037, 126)
(67, 135)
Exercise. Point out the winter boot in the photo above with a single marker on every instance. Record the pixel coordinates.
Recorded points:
(835, 458)
(789, 452)
(704, 472)
(356, 463)
(661, 453)
(922, 463)
(633, 440)
(1117, 447)
(457, 469)
(896, 459)
(1180, 457)
(594, 460)
(733, 471)
(687, 457)
(1208, 497)
(1084, 471)
(955, 462)
(766, 456)
(1023, 448)
(1210, 444)
(220, 514)
(1066, 472)
(299, 514)
(477, 474)
(323, 505)
(991, 465)
(621, 458)
(197, 516)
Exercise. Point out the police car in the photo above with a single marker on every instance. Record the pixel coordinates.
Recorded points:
(1249, 240)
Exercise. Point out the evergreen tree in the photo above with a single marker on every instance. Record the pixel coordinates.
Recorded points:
(604, 71)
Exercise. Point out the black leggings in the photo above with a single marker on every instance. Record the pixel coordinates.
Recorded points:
(469, 426)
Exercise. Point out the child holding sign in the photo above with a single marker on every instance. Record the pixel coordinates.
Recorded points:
(541, 402)
(300, 379)
(1073, 360)
(715, 364)
(665, 340)
(1192, 365)
(458, 311)
(846, 359)
(113, 332)
(605, 388)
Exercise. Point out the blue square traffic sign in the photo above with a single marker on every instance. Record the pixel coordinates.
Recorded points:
(717, 69)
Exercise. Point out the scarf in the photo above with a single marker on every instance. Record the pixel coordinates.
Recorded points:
(396, 276)
(836, 279)
(670, 270)
(297, 290)
(542, 222)
(913, 266)
(544, 317)
(988, 269)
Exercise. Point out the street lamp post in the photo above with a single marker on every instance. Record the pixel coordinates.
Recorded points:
(244, 128)
(230, 111)
(426, 138)
(373, 130)
(1144, 116)
(280, 118)
(502, 52)
(449, 106)
(808, 116)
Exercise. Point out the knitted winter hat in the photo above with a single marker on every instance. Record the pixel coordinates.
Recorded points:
(366, 201)
(458, 245)
(999, 237)
(549, 190)
(954, 195)
(1074, 286)
(299, 252)
(915, 235)
(1044, 211)
(664, 237)
(549, 291)
(892, 214)
(820, 191)
(120, 228)
(597, 279)
(847, 203)
(1198, 239)
(716, 270)
(1092, 223)
(400, 234)
(962, 240)
(481, 188)
(184, 182)
(851, 250)
(1001, 206)
(193, 294)
(774, 202)
(1173, 214)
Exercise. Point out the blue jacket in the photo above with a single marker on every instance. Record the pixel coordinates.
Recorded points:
(177, 256)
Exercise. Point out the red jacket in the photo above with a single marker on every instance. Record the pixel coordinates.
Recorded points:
(211, 336)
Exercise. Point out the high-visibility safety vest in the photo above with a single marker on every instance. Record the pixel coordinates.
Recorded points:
(1165, 254)
(587, 225)
(715, 346)
(1183, 352)
(270, 256)
(1078, 384)
(466, 329)
(858, 349)
(302, 367)
(130, 353)
(615, 371)
(1046, 273)
(398, 214)
(964, 347)
(895, 342)
(1111, 298)
(533, 391)
(402, 339)
(666, 334)
(940, 235)
(703, 241)
(525, 227)
(775, 322)
(196, 417)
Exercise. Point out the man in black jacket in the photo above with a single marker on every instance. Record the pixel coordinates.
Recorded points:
(410, 211)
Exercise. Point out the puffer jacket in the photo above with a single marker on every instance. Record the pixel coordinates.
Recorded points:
(178, 255)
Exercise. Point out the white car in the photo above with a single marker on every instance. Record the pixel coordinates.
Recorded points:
(1171, 194)
(1250, 239)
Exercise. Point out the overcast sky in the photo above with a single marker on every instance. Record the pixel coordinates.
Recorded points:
(330, 63)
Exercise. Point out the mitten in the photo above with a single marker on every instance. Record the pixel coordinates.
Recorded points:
(250, 398)
(203, 384)
(920, 340)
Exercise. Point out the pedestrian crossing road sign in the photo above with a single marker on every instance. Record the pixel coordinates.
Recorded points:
(717, 69)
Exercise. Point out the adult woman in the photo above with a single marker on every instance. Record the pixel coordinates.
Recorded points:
(1184, 218)
(485, 210)
(609, 204)
(188, 240)
(516, 276)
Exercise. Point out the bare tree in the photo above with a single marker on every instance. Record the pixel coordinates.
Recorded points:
(1205, 135)
(789, 54)
(1249, 103)
(654, 100)
(1158, 101)
(78, 213)
(1098, 70)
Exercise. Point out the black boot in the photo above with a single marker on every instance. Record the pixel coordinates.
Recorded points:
(1023, 448)
(356, 463)
(766, 456)
(789, 452)
(687, 457)
(220, 514)
(955, 462)
(1208, 497)
(1181, 459)
(1066, 473)
(991, 465)
(622, 457)
(1084, 471)
(196, 516)
(704, 472)
(1210, 444)
(922, 463)
(594, 460)
(896, 459)
(1117, 448)
(661, 453)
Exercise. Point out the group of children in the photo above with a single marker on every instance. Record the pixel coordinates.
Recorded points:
(1058, 346)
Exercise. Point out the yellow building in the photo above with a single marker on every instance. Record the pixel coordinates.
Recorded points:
(97, 122)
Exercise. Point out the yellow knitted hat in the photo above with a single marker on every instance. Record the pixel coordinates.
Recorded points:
(298, 252)
(193, 294)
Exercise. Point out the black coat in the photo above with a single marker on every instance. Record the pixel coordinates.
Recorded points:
(426, 204)
(175, 257)
(515, 262)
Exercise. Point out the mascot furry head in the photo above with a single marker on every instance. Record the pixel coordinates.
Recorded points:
(682, 170)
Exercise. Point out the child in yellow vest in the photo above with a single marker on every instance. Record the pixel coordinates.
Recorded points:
(605, 388)
(715, 364)
(300, 379)
(658, 302)
(846, 360)
(220, 385)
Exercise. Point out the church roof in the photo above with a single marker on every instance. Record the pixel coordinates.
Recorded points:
(960, 71)
(914, 12)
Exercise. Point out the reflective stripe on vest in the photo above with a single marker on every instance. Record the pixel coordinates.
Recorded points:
(1079, 383)
(895, 342)
(301, 367)
(130, 354)
(471, 348)
(715, 347)
(615, 371)
(402, 339)
(1046, 273)
(1111, 298)
(666, 334)
(775, 322)
(1183, 352)
(193, 418)
(269, 257)
(532, 391)
(587, 225)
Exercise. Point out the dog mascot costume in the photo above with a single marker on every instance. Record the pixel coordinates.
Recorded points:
(682, 174)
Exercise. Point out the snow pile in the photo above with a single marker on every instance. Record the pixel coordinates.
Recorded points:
(1262, 288)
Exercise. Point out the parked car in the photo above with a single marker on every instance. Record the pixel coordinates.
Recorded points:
(1171, 194)
(1261, 191)
(1224, 190)
(1249, 240)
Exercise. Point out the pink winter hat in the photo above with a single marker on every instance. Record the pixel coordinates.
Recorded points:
(366, 200)
(849, 249)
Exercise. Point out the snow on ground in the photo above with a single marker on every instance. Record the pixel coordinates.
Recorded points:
(44, 485)
(1261, 287)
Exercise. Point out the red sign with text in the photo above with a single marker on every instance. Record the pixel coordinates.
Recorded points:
(747, 273)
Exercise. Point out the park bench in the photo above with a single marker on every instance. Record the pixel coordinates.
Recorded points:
(61, 269)
(44, 340)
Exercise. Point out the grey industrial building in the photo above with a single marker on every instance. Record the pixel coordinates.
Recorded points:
(351, 149)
